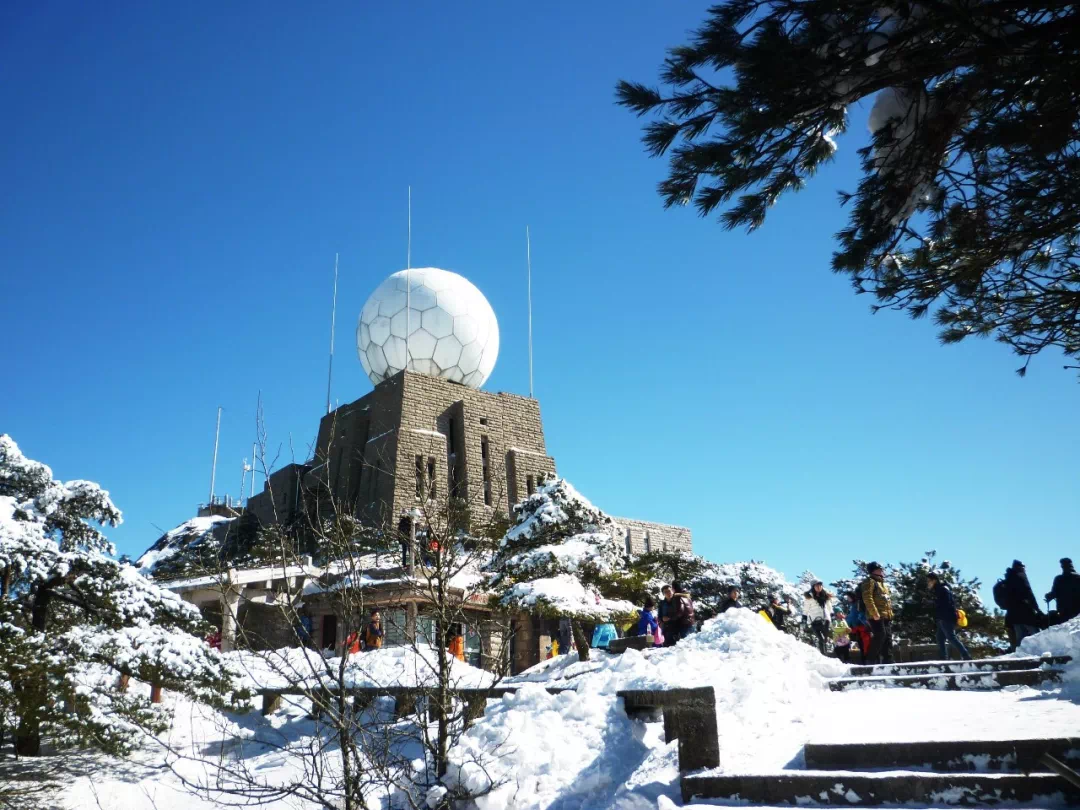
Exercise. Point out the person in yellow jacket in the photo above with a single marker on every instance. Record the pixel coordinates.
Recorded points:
(879, 614)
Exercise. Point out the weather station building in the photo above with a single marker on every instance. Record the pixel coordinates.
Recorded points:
(428, 340)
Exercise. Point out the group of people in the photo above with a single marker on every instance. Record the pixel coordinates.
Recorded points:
(1023, 616)
(670, 620)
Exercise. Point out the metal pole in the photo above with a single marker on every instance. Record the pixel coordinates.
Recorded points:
(213, 469)
(251, 486)
(528, 265)
(333, 319)
(408, 283)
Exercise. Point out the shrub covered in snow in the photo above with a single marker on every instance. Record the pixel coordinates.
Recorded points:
(72, 619)
(561, 557)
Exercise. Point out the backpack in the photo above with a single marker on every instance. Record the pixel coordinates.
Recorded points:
(684, 611)
(1001, 594)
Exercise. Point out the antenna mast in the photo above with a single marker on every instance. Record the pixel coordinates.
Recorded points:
(333, 320)
(528, 266)
(213, 470)
(251, 486)
(408, 282)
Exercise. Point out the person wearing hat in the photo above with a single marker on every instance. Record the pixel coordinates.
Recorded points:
(945, 616)
(1066, 591)
(879, 614)
(1023, 612)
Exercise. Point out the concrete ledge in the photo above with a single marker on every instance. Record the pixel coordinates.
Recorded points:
(870, 790)
(945, 756)
(985, 665)
(618, 646)
(971, 680)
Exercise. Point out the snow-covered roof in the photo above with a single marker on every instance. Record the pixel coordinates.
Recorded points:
(243, 576)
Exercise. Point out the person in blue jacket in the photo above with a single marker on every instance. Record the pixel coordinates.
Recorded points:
(945, 617)
(856, 620)
(647, 623)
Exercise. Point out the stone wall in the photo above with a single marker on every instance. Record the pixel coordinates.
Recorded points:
(646, 536)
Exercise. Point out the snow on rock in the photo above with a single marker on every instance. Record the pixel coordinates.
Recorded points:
(581, 749)
(183, 539)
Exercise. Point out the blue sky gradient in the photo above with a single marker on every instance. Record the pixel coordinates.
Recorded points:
(178, 178)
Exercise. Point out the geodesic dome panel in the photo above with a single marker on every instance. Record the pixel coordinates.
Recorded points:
(449, 326)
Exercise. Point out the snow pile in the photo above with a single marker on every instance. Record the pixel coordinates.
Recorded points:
(184, 539)
(386, 667)
(1062, 639)
(533, 748)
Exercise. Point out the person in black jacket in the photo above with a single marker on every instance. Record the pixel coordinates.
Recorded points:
(778, 612)
(945, 617)
(1023, 612)
(1066, 591)
(732, 600)
(682, 618)
(663, 615)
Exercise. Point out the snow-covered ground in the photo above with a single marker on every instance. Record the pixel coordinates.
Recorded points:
(579, 750)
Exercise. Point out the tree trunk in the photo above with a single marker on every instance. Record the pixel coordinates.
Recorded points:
(580, 640)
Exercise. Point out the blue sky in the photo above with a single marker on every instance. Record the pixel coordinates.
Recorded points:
(177, 179)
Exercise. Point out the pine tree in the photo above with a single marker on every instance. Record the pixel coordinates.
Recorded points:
(72, 619)
(970, 183)
(563, 557)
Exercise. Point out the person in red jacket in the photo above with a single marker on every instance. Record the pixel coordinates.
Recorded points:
(682, 619)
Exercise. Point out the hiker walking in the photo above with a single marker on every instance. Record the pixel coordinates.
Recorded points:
(879, 614)
(1066, 592)
(818, 606)
(945, 618)
(841, 636)
(1021, 608)
(682, 613)
(857, 621)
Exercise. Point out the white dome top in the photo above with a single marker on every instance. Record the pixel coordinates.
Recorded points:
(452, 331)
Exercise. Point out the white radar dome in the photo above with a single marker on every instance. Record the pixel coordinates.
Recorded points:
(451, 328)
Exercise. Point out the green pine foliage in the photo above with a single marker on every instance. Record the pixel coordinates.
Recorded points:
(970, 181)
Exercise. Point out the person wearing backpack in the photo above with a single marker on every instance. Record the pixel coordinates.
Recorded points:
(682, 618)
(1066, 591)
(945, 618)
(1022, 610)
(879, 614)
(818, 605)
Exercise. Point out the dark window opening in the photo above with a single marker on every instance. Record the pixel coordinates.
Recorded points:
(648, 543)
(629, 543)
(451, 460)
(485, 460)
(431, 477)
(483, 420)
(329, 631)
(530, 484)
(419, 476)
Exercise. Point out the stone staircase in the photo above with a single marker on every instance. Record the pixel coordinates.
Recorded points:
(963, 773)
(990, 673)
(935, 773)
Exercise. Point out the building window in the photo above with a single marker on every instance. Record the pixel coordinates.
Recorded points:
(419, 477)
(431, 477)
(329, 631)
(664, 545)
(629, 543)
(451, 460)
(485, 462)
(530, 484)
(648, 543)
(483, 420)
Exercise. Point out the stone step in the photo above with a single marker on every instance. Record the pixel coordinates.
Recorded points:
(973, 680)
(984, 665)
(943, 755)
(851, 789)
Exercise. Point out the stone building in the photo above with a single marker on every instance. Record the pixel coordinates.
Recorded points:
(425, 434)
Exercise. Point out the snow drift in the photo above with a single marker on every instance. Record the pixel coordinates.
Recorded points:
(579, 747)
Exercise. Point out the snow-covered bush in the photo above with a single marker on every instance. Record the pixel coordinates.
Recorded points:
(562, 557)
(72, 619)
